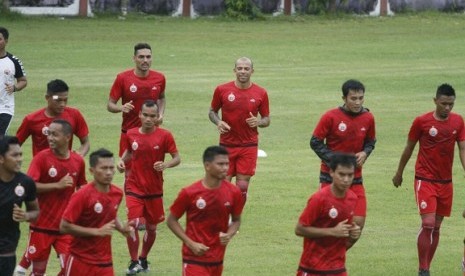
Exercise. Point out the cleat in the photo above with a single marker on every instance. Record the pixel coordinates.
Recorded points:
(144, 264)
(134, 268)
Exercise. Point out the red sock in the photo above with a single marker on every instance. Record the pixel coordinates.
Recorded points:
(147, 242)
(25, 262)
(244, 187)
(424, 243)
(38, 268)
(434, 244)
(133, 245)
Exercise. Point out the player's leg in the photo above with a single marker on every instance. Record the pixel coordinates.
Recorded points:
(425, 195)
(40, 245)
(7, 265)
(25, 263)
(135, 208)
(61, 245)
(245, 166)
(154, 213)
(443, 209)
(5, 120)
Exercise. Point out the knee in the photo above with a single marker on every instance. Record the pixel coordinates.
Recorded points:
(151, 228)
(428, 222)
(243, 185)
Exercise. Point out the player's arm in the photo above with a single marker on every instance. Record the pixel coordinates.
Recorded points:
(113, 106)
(23, 131)
(30, 214)
(123, 228)
(85, 146)
(65, 182)
(225, 238)
(21, 83)
(121, 166)
(161, 103)
(341, 230)
(67, 227)
(321, 149)
(404, 158)
(255, 121)
(173, 224)
(362, 156)
(175, 160)
(461, 145)
(222, 126)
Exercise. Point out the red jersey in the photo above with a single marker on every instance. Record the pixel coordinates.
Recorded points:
(89, 207)
(207, 214)
(129, 87)
(47, 168)
(146, 149)
(36, 125)
(345, 132)
(437, 142)
(235, 105)
(324, 210)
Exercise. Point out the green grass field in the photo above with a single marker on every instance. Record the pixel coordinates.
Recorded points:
(302, 61)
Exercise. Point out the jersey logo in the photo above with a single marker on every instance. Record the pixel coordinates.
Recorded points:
(134, 145)
(201, 203)
(363, 129)
(154, 88)
(98, 208)
(45, 130)
(156, 147)
(342, 126)
(19, 190)
(423, 204)
(227, 204)
(231, 97)
(252, 100)
(133, 88)
(433, 131)
(52, 172)
(333, 213)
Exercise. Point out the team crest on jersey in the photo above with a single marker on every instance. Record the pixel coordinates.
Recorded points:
(52, 172)
(342, 126)
(19, 190)
(201, 203)
(133, 88)
(32, 249)
(134, 145)
(45, 130)
(333, 213)
(98, 208)
(423, 204)
(231, 97)
(433, 131)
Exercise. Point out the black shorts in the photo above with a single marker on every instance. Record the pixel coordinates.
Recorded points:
(7, 265)
(5, 120)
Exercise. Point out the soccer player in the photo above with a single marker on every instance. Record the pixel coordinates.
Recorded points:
(36, 124)
(58, 172)
(134, 87)
(146, 147)
(11, 68)
(326, 223)
(241, 102)
(349, 128)
(437, 132)
(16, 188)
(208, 204)
(91, 217)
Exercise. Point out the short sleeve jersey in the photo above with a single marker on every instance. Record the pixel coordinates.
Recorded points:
(324, 210)
(89, 207)
(207, 214)
(20, 189)
(36, 125)
(236, 105)
(47, 168)
(129, 87)
(345, 132)
(437, 140)
(11, 68)
(146, 149)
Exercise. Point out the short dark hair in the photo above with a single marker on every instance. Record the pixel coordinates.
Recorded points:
(56, 86)
(5, 143)
(100, 153)
(140, 46)
(342, 159)
(149, 103)
(66, 126)
(212, 151)
(445, 89)
(352, 85)
(4, 32)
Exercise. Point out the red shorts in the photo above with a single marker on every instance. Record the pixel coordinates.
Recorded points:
(242, 160)
(433, 197)
(361, 207)
(150, 209)
(301, 273)
(200, 270)
(40, 245)
(75, 267)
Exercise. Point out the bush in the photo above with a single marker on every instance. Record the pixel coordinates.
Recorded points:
(242, 10)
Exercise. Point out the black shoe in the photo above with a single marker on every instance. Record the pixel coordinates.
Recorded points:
(144, 264)
(133, 268)
(423, 272)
